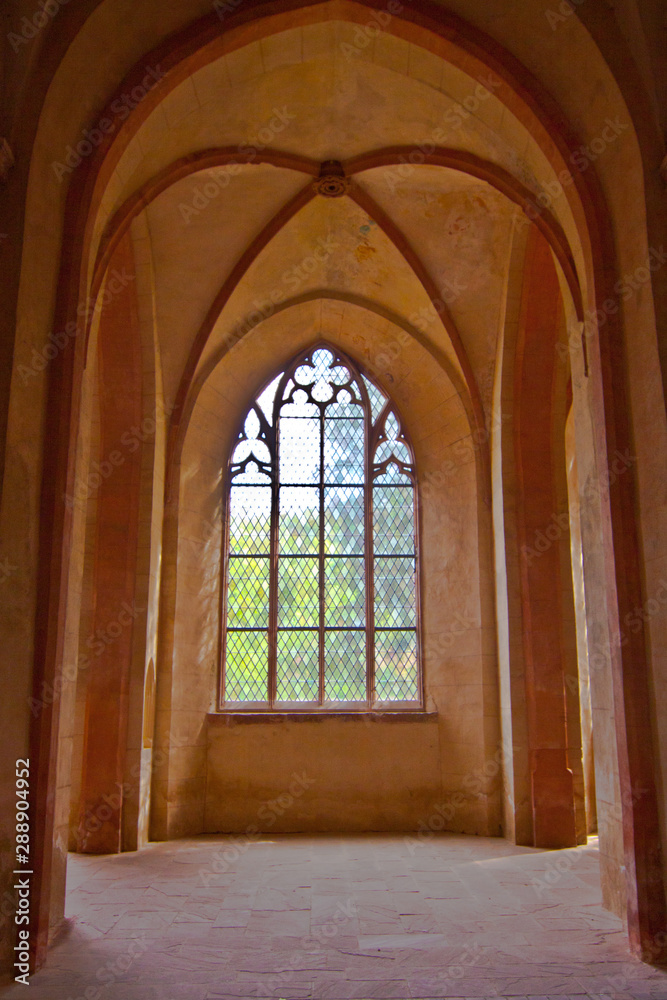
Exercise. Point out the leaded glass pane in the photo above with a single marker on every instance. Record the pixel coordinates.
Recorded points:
(297, 671)
(344, 520)
(393, 520)
(255, 448)
(347, 404)
(298, 592)
(267, 397)
(394, 592)
(248, 592)
(246, 662)
(377, 398)
(344, 592)
(299, 450)
(345, 666)
(392, 475)
(320, 595)
(344, 451)
(396, 675)
(387, 449)
(299, 525)
(249, 520)
(299, 406)
(252, 476)
(322, 373)
(392, 446)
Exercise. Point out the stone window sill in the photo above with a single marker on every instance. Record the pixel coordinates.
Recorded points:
(233, 718)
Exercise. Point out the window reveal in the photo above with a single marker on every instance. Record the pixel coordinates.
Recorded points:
(320, 602)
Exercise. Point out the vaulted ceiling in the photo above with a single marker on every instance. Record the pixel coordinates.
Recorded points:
(229, 223)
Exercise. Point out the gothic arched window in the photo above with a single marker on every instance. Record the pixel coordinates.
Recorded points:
(320, 595)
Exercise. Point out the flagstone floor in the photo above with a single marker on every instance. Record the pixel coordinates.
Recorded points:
(358, 917)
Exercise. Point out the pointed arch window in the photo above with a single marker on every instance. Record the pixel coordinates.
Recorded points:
(320, 596)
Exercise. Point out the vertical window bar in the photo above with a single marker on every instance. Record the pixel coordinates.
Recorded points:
(416, 524)
(372, 432)
(224, 591)
(273, 558)
(321, 559)
(368, 553)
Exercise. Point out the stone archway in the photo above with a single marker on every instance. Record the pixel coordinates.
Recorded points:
(613, 568)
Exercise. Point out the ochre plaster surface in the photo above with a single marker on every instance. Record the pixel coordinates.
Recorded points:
(197, 356)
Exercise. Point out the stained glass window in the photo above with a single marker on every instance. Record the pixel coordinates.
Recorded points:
(321, 582)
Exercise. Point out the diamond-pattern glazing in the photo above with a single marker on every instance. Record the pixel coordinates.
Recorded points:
(344, 451)
(392, 476)
(344, 592)
(298, 671)
(250, 520)
(345, 666)
(248, 592)
(252, 476)
(377, 398)
(393, 520)
(394, 580)
(387, 449)
(347, 404)
(254, 448)
(344, 520)
(392, 445)
(298, 592)
(246, 666)
(320, 396)
(299, 524)
(299, 405)
(396, 675)
(299, 450)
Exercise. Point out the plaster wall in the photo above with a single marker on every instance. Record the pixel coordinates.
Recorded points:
(351, 773)
(550, 54)
(218, 768)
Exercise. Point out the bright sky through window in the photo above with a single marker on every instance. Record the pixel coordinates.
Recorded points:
(321, 564)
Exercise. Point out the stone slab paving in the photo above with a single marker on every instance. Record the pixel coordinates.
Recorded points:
(358, 917)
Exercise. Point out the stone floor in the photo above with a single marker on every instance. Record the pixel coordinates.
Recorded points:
(359, 917)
